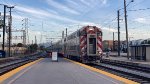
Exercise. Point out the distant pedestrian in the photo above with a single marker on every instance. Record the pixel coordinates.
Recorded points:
(108, 52)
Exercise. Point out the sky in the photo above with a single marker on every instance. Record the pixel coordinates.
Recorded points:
(48, 18)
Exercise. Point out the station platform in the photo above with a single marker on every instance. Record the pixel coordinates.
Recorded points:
(62, 72)
(116, 54)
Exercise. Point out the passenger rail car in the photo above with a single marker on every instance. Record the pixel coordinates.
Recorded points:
(84, 45)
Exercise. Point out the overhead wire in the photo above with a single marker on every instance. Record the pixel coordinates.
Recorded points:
(141, 9)
(108, 23)
(137, 4)
(137, 10)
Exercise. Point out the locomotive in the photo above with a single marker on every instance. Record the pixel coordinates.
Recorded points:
(83, 45)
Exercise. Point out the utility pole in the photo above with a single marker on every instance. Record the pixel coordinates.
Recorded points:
(62, 34)
(10, 36)
(41, 34)
(52, 45)
(63, 46)
(118, 13)
(32, 41)
(125, 15)
(4, 26)
(113, 41)
(66, 41)
(25, 30)
(66, 32)
(35, 40)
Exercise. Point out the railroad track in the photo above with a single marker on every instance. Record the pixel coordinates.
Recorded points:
(10, 65)
(9, 59)
(128, 70)
(132, 72)
(125, 73)
(129, 65)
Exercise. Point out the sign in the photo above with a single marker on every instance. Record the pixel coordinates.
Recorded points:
(2, 54)
(54, 56)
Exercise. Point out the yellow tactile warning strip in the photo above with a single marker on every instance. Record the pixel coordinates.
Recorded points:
(11, 73)
(124, 80)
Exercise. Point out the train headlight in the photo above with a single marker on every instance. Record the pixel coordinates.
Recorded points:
(90, 28)
(99, 52)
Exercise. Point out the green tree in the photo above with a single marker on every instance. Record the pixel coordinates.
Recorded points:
(33, 47)
(42, 47)
(19, 45)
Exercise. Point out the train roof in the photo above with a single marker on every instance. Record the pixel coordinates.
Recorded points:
(88, 27)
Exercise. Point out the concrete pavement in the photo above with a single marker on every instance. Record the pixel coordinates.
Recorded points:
(62, 72)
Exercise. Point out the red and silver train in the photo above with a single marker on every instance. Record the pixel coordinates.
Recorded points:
(84, 45)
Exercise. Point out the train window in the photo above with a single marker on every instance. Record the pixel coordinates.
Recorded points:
(78, 34)
(82, 33)
(65, 40)
(74, 36)
(72, 48)
(69, 38)
(92, 36)
(99, 33)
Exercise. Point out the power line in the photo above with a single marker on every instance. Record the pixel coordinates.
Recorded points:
(140, 9)
(114, 19)
(17, 13)
(119, 15)
(137, 3)
(14, 2)
(5, 2)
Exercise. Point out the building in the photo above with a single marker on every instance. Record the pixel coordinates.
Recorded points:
(107, 44)
(114, 45)
(140, 49)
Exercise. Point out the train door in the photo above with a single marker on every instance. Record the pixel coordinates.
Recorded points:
(91, 45)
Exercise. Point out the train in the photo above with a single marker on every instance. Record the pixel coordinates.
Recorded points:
(84, 45)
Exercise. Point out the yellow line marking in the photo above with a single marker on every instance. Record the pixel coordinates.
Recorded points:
(106, 78)
(19, 75)
(11, 73)
(126, 81)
